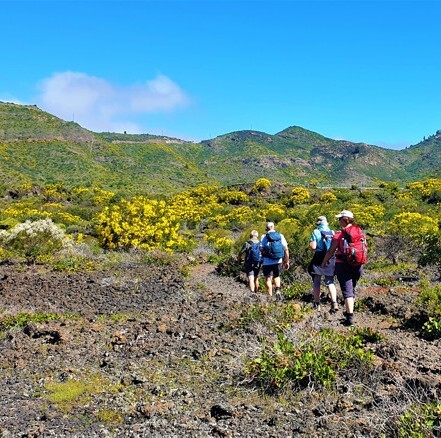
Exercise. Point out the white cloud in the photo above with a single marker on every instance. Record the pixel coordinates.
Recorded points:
(158, 94)
(98, 105)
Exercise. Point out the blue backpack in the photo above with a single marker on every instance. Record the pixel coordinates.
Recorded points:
(327, 238)
(274, 248)
(252, 255)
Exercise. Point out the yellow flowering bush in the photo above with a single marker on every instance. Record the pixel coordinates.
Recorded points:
(328, 198)
(22, 211)
(234, 197)
(414, 225)
(189, 209)
(97, 195)
(289, 226)
(261, 185)
(425, 189)
(368, 216)
(194, 205)
(272, 212)
(237, 216)
(299, 195)
(220, 240)
(67, 218)
(141, 222)
(404, 196)
(54, 192)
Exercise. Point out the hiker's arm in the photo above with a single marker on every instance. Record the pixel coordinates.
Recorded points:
(313, 245)
(330, 252)
(286, 257)
(242, 251)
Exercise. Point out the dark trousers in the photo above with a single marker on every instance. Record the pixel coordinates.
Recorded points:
(348, 276)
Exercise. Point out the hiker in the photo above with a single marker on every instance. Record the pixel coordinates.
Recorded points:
(253, 260)
(275, 251)
(347, 272)
(320, 242)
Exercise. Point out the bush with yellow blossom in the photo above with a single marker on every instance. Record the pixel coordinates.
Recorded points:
(414, 225)
(142, 222)
(261, 185)
(328, 198)
(426, 189)
(299, 195)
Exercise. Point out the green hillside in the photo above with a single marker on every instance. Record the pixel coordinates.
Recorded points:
(425, 157)
(39, 148)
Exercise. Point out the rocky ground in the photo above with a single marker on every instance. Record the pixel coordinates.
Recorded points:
(156, 351)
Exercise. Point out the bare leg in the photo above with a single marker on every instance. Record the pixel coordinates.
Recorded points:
(316, 294)
(333, 292)
(269, 285)
(349, 304)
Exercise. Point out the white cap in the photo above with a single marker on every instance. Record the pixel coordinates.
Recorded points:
(322, 220)
(345, 213)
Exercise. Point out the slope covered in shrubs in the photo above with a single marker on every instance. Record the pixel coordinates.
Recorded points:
(128, 314)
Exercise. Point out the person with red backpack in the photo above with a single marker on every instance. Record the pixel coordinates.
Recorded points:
(350, 249)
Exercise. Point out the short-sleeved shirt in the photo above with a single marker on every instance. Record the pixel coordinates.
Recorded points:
(264, 242)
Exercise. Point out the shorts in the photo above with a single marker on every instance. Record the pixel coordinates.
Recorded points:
(251, 270)
(329, 279)
(272, 270)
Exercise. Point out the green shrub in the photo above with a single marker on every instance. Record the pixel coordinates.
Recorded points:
(420, 421)
(431, 254)
(276, 316)
(23, 319)
(110, 416)
(296, 289)
(228, 267)
(430, 298)
(67, 391)
(319, 359)
(387, 281)
(432, 329)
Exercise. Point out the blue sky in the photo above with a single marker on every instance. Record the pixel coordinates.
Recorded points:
(364, 71)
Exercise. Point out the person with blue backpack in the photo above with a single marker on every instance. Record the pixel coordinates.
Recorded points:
(275, 251)
(253, 260)
(320, 243)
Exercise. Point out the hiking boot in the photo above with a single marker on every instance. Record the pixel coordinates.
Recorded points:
(349, 319)
(278, 294)
(334, 307)
(316, 306)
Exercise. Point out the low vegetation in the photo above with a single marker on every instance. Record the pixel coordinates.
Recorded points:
(85, 229)
(316, 358)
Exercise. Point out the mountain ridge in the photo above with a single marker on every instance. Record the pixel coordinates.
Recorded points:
(38, 148)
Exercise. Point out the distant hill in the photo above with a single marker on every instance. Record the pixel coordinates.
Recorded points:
(38, 148)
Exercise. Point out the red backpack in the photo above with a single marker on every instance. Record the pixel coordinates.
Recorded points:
(354, 247)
